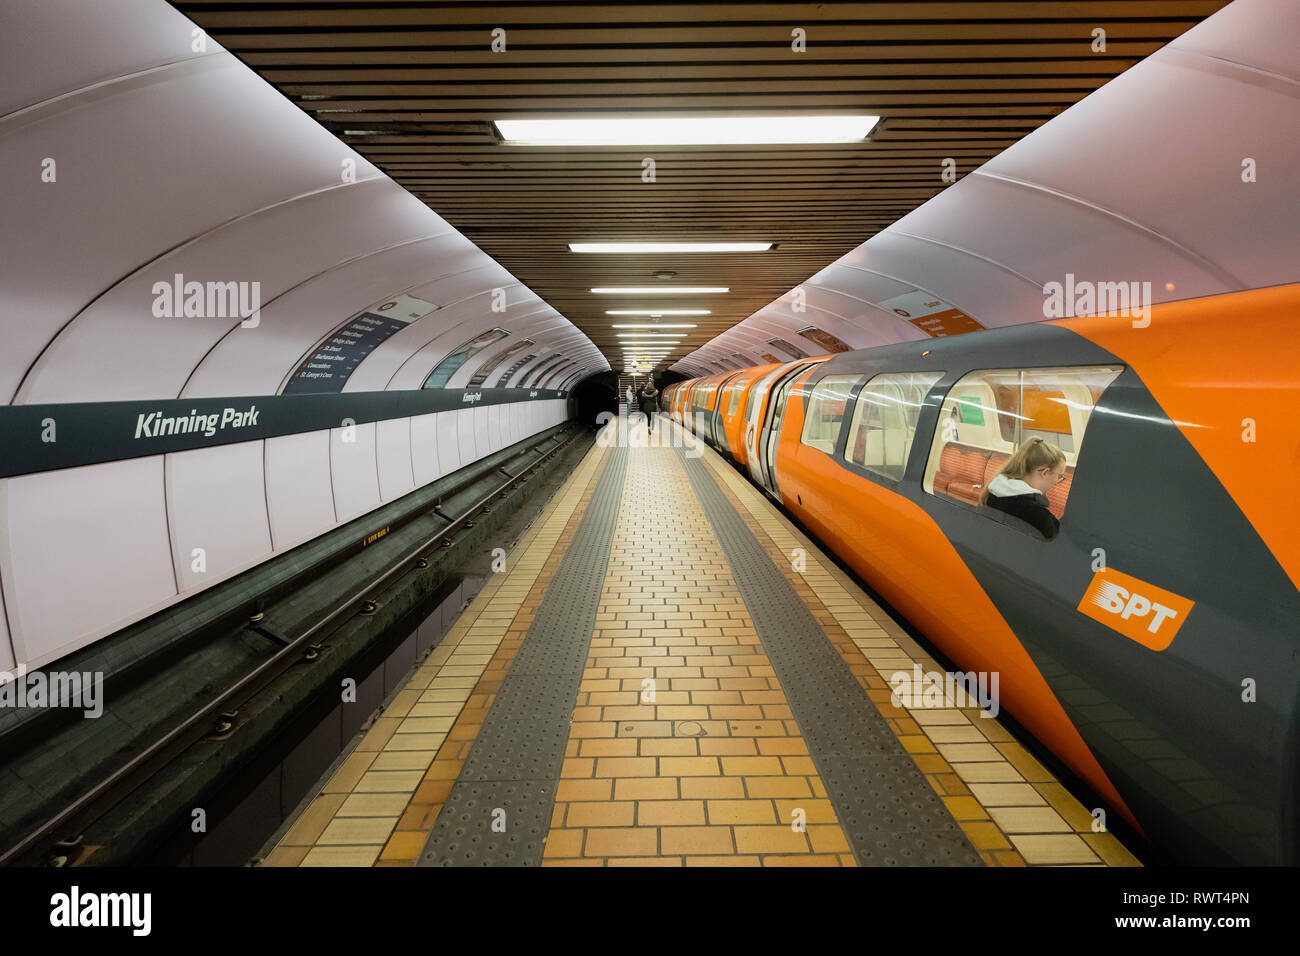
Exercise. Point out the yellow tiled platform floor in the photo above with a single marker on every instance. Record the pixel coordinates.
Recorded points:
(683, 750)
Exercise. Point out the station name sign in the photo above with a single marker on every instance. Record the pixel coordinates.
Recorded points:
(45, 437)
(156, 424)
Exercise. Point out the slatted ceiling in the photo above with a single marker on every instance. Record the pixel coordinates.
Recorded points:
(387, 12)
(1116, 50)
(950, 79)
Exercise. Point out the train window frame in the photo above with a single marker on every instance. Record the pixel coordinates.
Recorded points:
(957, 410)
(736, 389)
(754, 409)
(862, 403)
(816, 398)
(724, 392)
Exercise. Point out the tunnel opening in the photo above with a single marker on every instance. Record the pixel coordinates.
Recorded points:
(595, 395)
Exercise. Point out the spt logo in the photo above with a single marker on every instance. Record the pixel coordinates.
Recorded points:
(1141, 612)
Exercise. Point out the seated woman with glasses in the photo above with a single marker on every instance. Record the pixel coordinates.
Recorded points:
(1020, 488)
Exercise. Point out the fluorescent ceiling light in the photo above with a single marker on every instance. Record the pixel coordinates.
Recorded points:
(669, 246)
(648, 325)
(659, 312)
(661, 290)
(686, 130)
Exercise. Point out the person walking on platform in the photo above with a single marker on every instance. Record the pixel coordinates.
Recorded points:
(649, 403)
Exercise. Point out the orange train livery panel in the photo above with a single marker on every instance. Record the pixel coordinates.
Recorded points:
(1135, 625)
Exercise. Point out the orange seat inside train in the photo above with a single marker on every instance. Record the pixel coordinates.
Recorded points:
(964, 471)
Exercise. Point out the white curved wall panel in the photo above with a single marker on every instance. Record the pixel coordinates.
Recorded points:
(113, 211)
(482, 440)
(507, 424)
(299, 489)
(354, 470)
(235, 253)
(86, 551)
(393, 458)
(1171, 161)
(478, 277)
(493, 428)
(45, 58)
(424, 448)
(449, 446)
(216, 512)
(986, 217)
(1259, 32)
(465, 434)
(512, 428)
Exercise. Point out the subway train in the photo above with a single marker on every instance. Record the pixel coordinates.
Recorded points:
(1151, 644)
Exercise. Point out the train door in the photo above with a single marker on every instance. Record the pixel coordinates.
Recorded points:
(754, 420)
(700, 408)
(772, 429)
(701, 415)
(717, 431)
(705, 429)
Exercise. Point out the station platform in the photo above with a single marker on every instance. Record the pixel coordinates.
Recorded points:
(667, 672)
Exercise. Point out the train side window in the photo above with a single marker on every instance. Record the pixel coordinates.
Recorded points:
(826, 407)
(884, 421)
(988, 414)
(735, 395)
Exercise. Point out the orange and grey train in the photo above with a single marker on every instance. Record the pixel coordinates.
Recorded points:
(1152, 644)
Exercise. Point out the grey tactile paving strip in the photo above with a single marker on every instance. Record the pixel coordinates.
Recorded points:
(889, 813)
(515, 762)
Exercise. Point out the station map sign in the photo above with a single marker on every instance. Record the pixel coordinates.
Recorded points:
(333, 361)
